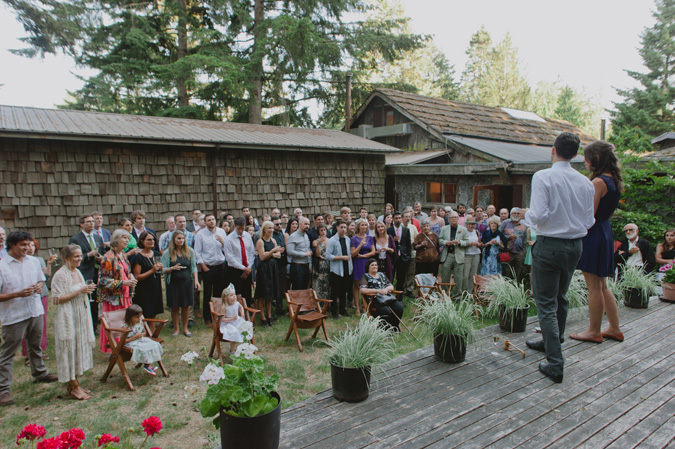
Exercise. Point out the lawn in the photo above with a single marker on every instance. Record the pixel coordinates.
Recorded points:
(115, 410)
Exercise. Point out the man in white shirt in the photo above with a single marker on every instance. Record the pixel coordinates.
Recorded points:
(561, 210)
(210, 256)
(170, 224)
(341, 268)
(635, 250)
(99, 229)
(3, 250)
(21, 311)
(410, 276)
(240, 254)
(418, 211)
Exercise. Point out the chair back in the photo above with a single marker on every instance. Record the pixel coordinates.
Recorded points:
(114, 320)
(425, 282)
(216, 306)
(303, 297)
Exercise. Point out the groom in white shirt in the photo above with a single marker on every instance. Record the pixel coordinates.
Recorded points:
(561, 210)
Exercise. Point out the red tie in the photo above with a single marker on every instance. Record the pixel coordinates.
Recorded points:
(244, 262)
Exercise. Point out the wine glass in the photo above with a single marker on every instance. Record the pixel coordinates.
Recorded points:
(157, 259)
(89, 282)
(52, 252)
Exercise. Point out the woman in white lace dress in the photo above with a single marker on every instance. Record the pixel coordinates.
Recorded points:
(73, 330)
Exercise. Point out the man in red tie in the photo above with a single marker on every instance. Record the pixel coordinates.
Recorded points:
(240, 254)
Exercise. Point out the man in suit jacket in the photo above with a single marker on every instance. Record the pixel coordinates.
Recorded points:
(138, 221)
(403, 250)
(99, 229)
(92, 249)
(453, 240)
(635, 250)
(193, 226)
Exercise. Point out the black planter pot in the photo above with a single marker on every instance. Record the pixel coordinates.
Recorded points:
(350, 384)
(513, 320)
(450, 348)
(258, 432)
(635, 299)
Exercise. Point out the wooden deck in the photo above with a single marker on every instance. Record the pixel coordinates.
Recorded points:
(616, 395)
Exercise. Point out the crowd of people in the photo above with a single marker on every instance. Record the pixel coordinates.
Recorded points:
(340, 256)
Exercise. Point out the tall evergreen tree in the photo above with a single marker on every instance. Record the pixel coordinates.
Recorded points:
(476, 66)
(651, 106)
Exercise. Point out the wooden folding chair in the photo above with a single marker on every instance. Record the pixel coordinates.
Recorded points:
(112, 322)
(306, 312)
(424, 291)
(367, 301)
(216, 306)
(480, 296)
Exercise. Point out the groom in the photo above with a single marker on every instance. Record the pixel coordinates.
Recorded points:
(561, 210)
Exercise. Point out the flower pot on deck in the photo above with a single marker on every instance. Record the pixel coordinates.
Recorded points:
(513, 320)
(635, 299)
(350, 384)
(257, 432)
(668, 294)
(450, 348)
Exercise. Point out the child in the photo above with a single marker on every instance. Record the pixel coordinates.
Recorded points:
(146, 350)
(233, 316)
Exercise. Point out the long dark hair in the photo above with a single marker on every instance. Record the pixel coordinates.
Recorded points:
(288, 225)
(665, 242)
(602, 159)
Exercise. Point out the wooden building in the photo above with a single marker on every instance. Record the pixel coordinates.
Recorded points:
(458, 152)
(58, 164)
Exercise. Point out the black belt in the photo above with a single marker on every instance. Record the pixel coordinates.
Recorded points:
(214, 266)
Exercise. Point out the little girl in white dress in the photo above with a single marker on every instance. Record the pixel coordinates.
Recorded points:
(233, 318)
(146, 350)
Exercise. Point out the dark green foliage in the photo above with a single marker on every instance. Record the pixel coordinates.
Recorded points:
(650, 107)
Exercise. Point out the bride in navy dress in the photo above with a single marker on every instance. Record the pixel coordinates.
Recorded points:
(597, 259)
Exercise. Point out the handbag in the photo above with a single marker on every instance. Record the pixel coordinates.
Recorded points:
(504, 257)
(385, 300)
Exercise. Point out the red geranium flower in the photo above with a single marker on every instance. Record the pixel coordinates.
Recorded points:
(107, 438)
(152, 425)
(72, 439)
(31, 432)
(51, 443)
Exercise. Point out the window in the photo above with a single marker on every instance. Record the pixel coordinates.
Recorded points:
(441, 192)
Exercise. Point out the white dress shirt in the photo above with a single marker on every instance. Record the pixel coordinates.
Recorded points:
(561, 205)
(208, 250)
(14, 277)
(233, 250)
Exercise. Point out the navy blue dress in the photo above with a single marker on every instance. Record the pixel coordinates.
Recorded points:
(598, 245)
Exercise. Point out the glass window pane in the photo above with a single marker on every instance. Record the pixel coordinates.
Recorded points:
(433, 192)
(449, 193)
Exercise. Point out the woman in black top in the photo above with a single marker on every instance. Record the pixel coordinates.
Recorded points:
(147, 272)
(374, 282)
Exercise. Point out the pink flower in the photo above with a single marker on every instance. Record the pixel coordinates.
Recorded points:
(31, 432)
(72, 439)
(152, 425)
(51, 443)
(107, 438)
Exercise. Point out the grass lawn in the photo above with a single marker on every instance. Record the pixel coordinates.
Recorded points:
(115, 410)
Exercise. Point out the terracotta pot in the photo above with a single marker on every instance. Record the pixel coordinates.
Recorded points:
(668, 292)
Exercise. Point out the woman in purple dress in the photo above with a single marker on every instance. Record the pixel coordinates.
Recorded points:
(362, 249)
(597, 259)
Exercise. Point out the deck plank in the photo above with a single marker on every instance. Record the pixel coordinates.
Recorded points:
(614, 394)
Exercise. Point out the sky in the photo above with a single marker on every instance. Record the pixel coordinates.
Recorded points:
(584, 43)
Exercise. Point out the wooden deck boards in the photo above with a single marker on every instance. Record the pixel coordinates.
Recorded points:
(617, 395)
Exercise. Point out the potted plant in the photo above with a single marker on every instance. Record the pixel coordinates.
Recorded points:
(577, 292)
(638, 286)
(511, 301)
(245, 400)
(668, 283)
(354, 353)
(452, 324)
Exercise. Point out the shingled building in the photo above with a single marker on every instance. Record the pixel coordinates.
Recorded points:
(57, 164)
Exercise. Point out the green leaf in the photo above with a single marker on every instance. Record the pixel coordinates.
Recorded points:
(209, 408)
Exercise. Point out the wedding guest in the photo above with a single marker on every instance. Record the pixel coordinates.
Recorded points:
(371, 224)
(472, 253)
(284, 221)
(461, 211)
(291, 227)
(362, 249)
(376, 283)
(313, 233)
(514, 230)
(363, 213)
(240, 255)
(180, 274)
(3, 249)
(443, 215)
(341, 269)
(138, 218)
(147, 270)
(46, 269)
(491, 210)
(426, 246)
(170, 224)
(403, 248)
(194, 311)
(115, 279)
(386, 247)
(73, 332)
(278, 236)
(388, 209)
(388, 220)
(92, 249)
(210, 255)
(21, 281)
(224, 225)
(132, 248)
(300, 256)
(409, 280)
(503, 214)
(635, 250)
(453, 240)
(268, 288)
(250, 221)
(413, 220)
(193, 226)
(597, 261)
(434, 220)
(328, 220)
(665, 251)
(246, 211)
(99, 229)
(419, 215)
(321, 269)
(351, 228)
(493, 240)
(345, 215)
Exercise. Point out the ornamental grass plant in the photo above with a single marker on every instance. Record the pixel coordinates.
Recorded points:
(441, 315)
(507, 293)
(577, 293)
(370, 343)
(636, 277)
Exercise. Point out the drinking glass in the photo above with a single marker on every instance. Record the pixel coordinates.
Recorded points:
(89, 282)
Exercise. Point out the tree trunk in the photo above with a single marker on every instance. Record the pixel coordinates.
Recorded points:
(181, 80)
(256, 82)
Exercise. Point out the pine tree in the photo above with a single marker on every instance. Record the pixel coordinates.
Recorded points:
(651, 106)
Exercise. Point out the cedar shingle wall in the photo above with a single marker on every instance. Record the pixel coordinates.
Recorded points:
(46, 184)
